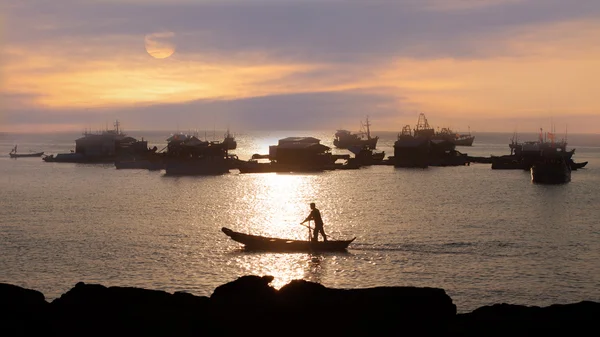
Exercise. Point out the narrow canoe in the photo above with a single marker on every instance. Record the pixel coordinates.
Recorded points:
(261, 243)
(24, 155)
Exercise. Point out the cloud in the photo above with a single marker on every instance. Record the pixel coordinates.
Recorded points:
(307, 30)
(338, 60)
(286, 112)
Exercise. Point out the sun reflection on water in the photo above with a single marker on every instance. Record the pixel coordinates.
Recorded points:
(279, 205)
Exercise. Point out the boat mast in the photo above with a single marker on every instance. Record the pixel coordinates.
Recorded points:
(367, 124)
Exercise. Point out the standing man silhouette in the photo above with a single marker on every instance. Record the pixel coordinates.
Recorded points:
(315, 215)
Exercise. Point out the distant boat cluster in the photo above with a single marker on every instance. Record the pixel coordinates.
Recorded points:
(421, 147)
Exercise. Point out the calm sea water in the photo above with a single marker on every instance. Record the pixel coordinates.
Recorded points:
(483, 235)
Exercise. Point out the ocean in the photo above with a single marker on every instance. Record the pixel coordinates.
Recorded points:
(485, 236)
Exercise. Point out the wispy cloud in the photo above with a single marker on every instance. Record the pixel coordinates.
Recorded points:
(458, 60)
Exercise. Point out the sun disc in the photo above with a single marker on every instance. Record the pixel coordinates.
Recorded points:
(160, 45)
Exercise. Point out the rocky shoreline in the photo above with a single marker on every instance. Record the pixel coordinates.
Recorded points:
(249, 305)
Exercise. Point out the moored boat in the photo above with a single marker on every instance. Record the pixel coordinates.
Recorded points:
(366, 156)
(344, 139)
(102, 147)
(454, 137)
(262, 243)
(410, 150)
(292, 154)
(551, 170)
(229, 141)
(188, 155)
(13, 154)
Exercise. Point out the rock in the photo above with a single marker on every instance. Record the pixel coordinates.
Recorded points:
(244, 305)
(519, 320)
(250, 306)
(371, 311)
(23, 312)
(95, 310)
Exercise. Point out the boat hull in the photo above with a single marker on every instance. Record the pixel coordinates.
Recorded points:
(261, 243)
(464, 141)
(132, 164)
(78, 158)
(196, 166)
(25, 155)
(346, 144)
(544, 173)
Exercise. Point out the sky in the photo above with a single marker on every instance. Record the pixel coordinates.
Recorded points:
(478, 65)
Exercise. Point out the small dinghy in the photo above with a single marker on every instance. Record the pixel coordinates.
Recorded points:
(261, 243)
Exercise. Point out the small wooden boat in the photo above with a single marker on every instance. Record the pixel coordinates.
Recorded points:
(261, 243)
(13, 154)
(21, 155)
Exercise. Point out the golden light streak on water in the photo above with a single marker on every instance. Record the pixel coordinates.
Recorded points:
(278, 206)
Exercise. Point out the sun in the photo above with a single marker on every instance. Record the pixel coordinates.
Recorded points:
(160, 45)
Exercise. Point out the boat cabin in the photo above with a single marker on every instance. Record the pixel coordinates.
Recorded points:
(301, 152)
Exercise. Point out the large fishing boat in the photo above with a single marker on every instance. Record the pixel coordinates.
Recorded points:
(551, 169)
(423, 130)
(188, 155)
(411, 150)
(344, 139)
(546, 142)
(454, 137)
(523, 155)
(101, 147)
(293, 154)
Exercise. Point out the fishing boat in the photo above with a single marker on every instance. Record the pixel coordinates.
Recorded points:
(344, 139)
(366, 156)
(188, 155)
(410, 150)
(454, 137)
(262, 243)
(13, 154)
(229, 141)
(103, 147)
(551, 169)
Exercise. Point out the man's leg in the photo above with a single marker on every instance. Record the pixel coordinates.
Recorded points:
(323, 233)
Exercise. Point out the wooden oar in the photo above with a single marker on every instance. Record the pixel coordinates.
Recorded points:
(309, 229)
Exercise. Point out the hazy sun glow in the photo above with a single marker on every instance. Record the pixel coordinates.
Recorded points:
(133, 80)
(160, 45)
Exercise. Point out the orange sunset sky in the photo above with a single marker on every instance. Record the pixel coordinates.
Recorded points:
(491, 65)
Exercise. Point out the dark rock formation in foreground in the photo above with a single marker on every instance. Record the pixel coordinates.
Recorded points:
(249, 306)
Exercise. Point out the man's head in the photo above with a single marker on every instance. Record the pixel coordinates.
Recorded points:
(312, 205)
